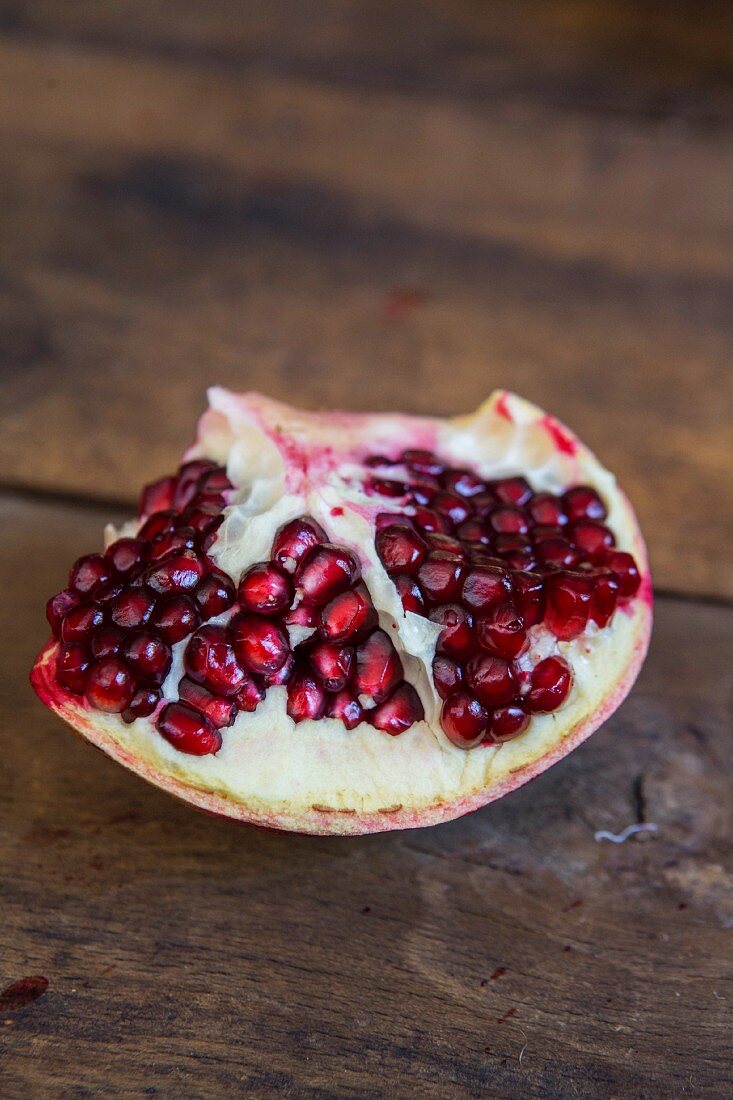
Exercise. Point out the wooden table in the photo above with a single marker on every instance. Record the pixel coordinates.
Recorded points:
(371, 205)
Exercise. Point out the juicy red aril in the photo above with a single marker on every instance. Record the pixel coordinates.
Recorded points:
(582, 502)
(376, 462)
(386, 487)
(399, 712)
(423, 491)
(463, 482)
(557, 554)
(605, 596)
(143, 703)
(410, 593)
(282, 675)
(176, 618)
(509, 544)
(187, 730)
(250, 695)
(172, 542)
(348, 615)
(302, 615)
(378, 668)
(436, 540)
(441, 576)
(80, 622)
(512, 490)
(180, 573)
(529, 595)
(454, 508)
(210, 660)
(266, 589)
(345, 707)
(72, 666)
(127, 556)
(332, 664)
(506, 520)
(568, 603)
(157, 496)
(220, 712)
(457, 638)
(158, 524)
(148, 656)
(59, 606)
(293, 541)
(89, 573)
(484, 502)
(550, 683)
(324, 572)
(547, 509)
(592, 538)
(306, 697)
(204, 518)
(110, 685)
(485, 586)
(542, 533)
(429, 520)
(474, 530)
(401, 550)
(131, 609)
(423, 462)
(188, 481)
(262, 646)
(391, 519)
(214, 481)
(626, 569)
(464, 720)
(447, 676)
(508, 722)
(215, 594)
(107, 642)
(491, 679)
(501, 630)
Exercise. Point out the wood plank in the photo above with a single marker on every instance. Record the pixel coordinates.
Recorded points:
(508, 953)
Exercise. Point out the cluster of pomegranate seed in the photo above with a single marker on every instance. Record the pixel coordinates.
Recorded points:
(487, 561)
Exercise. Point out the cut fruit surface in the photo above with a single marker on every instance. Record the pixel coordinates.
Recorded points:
(338, 623)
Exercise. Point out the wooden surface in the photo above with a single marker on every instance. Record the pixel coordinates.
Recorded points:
(370, 205)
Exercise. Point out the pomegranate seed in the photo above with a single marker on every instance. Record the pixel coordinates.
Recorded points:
(127, 556)
(306, 697)
(605, 595)
(324, 572)
(282, 676)
(144, 702)
(220, 712)
(409, 592)
(557, 554)
(506, 520)
(180, 573)
(449, 543)
(507, 544)
(550, 684)
(464, 483)
(250, 695)
(520, 559)
(332, 664)
(543, 533)
(148, 656)
(348, 615)
(215, 594)
(491, 679)
(262, 646)
(107, 642)
(582, 502)
(210, 660)
(189, 476)
(89, 573)
(529, 594)
(457, 638)
(594, 539)
(447, 676)
(508, 722)
(389, 519)
(158, 524)
(105, 595)
(346, 708)
(266, 589)
(484, 586)
(454, 508)
(568, 603)
(512, 490)
(156, 496)
(441, 576)
(464, 720)
(399, 712)
(187, 730)
(214, 482)
(59, 606)
(501, 630)
(474, 530)
(72, 666)
(204, 518)
(427, 519)
(378, 669)
(423, 462)
(626, 569)
(302, 615)
(547, 509)
(110, 686)
(400, 549)
(81, 622)
(131, 609)
(423, 491)
(385, 487)
(173, 542)
(483, 503)
(176, 618)
(376, 462)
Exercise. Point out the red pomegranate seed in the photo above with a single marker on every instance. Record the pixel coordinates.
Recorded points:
(506, 520)
(144, 702)
(447, 676)
(582, 502)
(400, 549)
(512, 490)
(282, 676)
(399, 712)
(173, 542)
(250, 695)
(156, 496)
(158, 524)
(266, 589)
(464, 720)
(72, 666)
(302, 615)
(81, 622)
(427, 519)
(483, 503)
(204, 518)
(474, 530)
(568, 603)
(189, 476)
(463, 482)
(543, 533)
(423, 462)
(386, 487)
(377, 462)
(127, 556)
(132, 608)
(550, 684)
(210, 660)
(346, 708)
(110, 686)
(520, 559)
(506, 544)
(441, 576)
(148, 656)
(424, 490)
(484, 586)
(324, 572)
(492, 679)
(508, 722)
(390, 519)
(332, 664)
(89, 573)
(107, 641)
(547, 510)
(409, 592)
(220, 712)
(215, 594)
(529, 594)
(557, 554)
(306, 697)
(454, 508)
(451, 545)
(594, 539)
(214, 482)
(625, 569)
(59, 606)
(501, 630)
(378, 669)
(187, 730)
(457, 639)
(605, 596)
(180, 573)
(262, 646)
(176, 618)
(293, 541)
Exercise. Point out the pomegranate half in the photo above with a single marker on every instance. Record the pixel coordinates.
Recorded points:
(337, 623)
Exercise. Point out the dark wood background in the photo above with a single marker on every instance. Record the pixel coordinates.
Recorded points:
(372, 205)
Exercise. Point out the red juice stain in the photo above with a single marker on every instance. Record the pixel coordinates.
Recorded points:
(502, 407)
(507, 1015)
(337, 511)
(562, 439)
(572, 905)
(498, 973)
(23, 992)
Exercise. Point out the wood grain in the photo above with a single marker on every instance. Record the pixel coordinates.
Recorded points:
(506, 954)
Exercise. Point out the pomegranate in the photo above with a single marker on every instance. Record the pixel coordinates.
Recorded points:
(337, 623)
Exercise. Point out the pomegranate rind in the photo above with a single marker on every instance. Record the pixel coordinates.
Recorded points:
(318, 777)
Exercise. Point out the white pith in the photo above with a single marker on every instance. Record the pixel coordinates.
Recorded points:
(317, 775)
